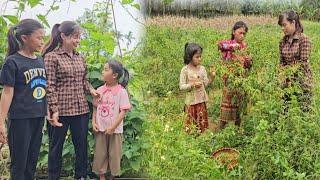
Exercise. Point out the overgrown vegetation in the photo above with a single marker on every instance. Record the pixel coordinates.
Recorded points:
(272, 145)
(308, 9)
(98, 45)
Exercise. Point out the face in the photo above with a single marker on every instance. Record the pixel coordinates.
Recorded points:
(72, 41)
(196, 59)
(107, 74)
(239, 34)
(34, 41)
(288, 27)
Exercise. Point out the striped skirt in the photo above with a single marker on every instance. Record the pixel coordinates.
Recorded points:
(197, 115)
(231, 100)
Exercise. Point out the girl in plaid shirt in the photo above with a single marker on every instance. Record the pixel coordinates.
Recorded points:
(67, 88)
(295, 49)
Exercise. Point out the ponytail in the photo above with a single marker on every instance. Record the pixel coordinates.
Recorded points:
(24, 27)
(122, 72)
(13, 45)
(55, 40)
(125, 78)
(67, 28)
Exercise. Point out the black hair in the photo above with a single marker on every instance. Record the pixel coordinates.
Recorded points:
(24, 27)
(291, 16)
(67, 28)
(190, 49)
(238, 25)
(118, 68)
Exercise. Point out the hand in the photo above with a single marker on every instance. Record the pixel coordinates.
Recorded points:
(54, 120)
(213, 74)
(109, 131)
(48, 116)
(197, 85)
(94, 126)
(3, 134)
(94, 93)
(236, 46)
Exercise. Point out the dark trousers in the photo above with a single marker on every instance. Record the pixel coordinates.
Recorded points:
(57, 135)
(24, 139)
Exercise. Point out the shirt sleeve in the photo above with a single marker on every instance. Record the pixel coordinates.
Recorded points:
(305, 50)
(225, 46)
(183, 84)
(205, 77)
(95, 101)
(87, 85)
(51, 65)
(8, 73)
(124, 100)
(282, 62)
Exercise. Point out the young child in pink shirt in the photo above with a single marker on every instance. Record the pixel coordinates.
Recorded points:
(107, 122)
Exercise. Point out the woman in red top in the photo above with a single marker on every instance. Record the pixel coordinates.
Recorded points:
(231, 97)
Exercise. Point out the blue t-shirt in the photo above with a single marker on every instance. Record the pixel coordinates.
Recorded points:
(28, 77)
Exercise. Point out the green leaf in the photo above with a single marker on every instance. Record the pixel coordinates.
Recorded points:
(89, 26)
(3, 23)
(167, 1)
(128, 154)
(127, 1)
(43, 19)
(54, 8)
(12, 19)
(137, 6)
(21, 6)
(94, 75)
(33, 3)
(135, 165)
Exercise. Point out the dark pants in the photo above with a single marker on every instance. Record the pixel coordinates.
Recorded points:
(24, 139)
(57, 135)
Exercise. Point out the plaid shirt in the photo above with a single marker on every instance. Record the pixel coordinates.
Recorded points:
(297, 50)
(67, 83)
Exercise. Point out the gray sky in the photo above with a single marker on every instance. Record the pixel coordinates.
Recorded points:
(125, 22)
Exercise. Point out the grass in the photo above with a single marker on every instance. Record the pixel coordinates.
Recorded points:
(271, 145)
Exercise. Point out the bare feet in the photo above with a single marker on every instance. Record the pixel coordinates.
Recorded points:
(112, 177)
(102, 177)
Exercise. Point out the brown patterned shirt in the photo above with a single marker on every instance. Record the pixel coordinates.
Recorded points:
(297, 50)
(67, 83)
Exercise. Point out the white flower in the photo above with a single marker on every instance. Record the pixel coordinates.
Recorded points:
(166, 128)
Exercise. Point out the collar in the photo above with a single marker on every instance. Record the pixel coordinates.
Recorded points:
(62, 51)
(113, 89)
(296, 36)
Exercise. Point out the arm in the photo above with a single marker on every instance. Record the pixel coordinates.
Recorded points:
(119, 119)
(226, 46)
(206, 81)
(94, 120)
(87, 86)
(51, 65)
(8, 80)
(183, 84)
(282, 62)
(5, 102)
(305, 50)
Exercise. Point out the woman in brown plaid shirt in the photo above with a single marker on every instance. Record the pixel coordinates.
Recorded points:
(67, 86)
(295, 48)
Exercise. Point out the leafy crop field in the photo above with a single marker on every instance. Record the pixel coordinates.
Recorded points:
(272, 145)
